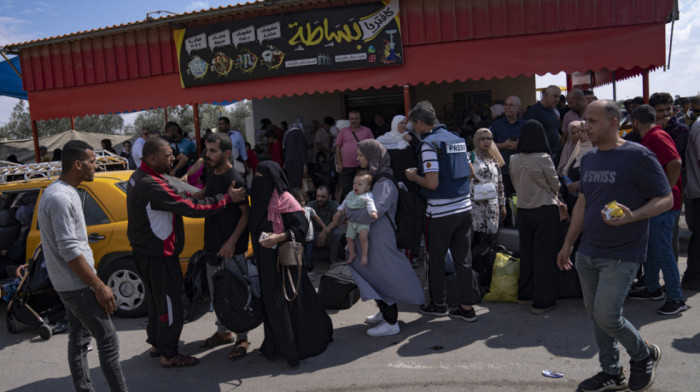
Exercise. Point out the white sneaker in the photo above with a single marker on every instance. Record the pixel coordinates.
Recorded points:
(384, 329)
(375, 318)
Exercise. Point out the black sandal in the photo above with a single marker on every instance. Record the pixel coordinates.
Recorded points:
(239, 351)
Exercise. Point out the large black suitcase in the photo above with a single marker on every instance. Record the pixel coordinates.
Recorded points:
(337, 288)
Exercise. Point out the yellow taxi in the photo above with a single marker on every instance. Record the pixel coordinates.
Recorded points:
(104, 207)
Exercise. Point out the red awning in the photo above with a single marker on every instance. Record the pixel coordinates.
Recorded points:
(617, 47)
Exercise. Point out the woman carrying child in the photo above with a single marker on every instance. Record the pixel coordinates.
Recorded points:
(387, 277)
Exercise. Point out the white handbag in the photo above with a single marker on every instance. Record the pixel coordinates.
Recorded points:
(486, 191)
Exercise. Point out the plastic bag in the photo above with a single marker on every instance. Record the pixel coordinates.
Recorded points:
(504, 280)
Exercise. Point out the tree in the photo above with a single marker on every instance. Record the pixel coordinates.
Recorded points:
(110, 124)
(19, 126)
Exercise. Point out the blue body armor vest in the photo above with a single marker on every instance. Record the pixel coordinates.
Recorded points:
(453, 162)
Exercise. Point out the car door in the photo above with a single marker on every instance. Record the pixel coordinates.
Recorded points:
(99, 226)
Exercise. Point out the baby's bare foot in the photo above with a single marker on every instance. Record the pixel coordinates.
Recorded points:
(363, 260)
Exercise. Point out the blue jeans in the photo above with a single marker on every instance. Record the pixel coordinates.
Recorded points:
(309, 255)
(87, 319)
(660, 256)
(605, 284)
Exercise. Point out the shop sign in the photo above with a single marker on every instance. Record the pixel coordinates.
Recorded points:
(331, 39)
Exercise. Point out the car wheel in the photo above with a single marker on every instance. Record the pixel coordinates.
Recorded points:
(128, 287)
(11, 325)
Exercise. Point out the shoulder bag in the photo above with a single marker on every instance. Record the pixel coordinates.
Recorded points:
(290, 255)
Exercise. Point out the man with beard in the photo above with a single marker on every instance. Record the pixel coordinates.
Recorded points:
(660, 250)
(325, 208)
(71, 268)
(226, 233)
(157, 235)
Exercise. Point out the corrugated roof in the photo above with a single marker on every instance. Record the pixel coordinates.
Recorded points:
(269, 6)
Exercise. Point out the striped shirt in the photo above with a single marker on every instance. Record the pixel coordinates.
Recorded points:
(438, 208)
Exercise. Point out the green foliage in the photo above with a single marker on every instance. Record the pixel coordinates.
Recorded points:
(109, 124)
(19, 126)
(208, 117)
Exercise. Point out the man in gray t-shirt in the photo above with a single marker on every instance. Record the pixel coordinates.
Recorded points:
(612, 248)
(70, 265)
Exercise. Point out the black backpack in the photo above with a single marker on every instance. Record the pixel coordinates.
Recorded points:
(337, 288)
(196, 299)
(237, 304)
(410, 216)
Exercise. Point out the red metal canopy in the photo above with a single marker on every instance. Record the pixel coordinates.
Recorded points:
(134, 67)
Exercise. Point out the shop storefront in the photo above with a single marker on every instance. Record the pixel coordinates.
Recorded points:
(321, 58)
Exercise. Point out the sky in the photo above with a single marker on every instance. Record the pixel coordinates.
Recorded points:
(24, 20)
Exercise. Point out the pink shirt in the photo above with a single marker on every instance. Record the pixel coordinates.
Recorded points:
(348, 144)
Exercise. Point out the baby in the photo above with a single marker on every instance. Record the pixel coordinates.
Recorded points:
(359, 197)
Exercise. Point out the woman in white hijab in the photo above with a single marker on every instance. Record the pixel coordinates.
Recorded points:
(570, 169)
(401, 145)
(399, 136)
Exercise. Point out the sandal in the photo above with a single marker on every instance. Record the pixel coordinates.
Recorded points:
(214, 341)
(239, 350)
(181, 361)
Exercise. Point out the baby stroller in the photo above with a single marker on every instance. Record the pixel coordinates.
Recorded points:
(36, 303)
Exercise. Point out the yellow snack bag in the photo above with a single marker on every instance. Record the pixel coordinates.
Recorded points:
(613, 211)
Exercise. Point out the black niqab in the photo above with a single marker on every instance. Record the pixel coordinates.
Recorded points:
(261, 189)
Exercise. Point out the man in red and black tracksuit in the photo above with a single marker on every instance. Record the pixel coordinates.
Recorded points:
(156, 234)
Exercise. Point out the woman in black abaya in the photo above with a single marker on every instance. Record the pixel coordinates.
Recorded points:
(301, 328)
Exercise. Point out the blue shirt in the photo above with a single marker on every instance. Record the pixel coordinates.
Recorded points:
(503, 130)
(186, 146)
(549, 121)
(631, 175)
(238, 145)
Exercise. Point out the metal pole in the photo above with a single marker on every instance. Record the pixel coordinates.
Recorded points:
(72, 123)
(614, 86)
(35, 136)
(670, 46)
(165, 114)
(645, 85)
(197, 132)
(569, 83)
(406, 99)
(11, 65)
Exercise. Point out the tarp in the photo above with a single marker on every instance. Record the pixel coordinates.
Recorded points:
(10, 82)
(24, 149)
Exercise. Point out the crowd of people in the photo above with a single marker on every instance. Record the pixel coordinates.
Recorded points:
(566, 165)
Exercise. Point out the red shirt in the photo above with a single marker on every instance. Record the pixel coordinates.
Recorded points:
(277, 153)
(662, 145)
(252, 160)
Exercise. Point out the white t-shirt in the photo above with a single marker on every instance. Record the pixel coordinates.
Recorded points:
(137, 151)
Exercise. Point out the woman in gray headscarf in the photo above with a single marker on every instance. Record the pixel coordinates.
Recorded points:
(388, 277)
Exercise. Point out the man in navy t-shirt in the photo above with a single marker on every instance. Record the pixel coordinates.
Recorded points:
(543, 111)
(612, 249)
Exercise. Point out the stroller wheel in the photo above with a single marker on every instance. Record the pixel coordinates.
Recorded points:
(11, 325)
(45, 332)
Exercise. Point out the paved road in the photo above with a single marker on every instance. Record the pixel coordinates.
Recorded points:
(506, 350)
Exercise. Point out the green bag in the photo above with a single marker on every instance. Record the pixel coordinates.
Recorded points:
(504, 280)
